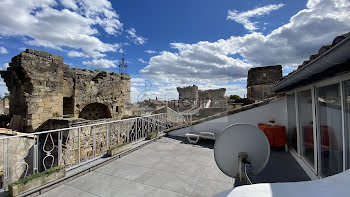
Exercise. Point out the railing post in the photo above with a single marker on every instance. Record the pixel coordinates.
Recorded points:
(158, 123)
(36, 154)
(143, 128)
(79, 145)
(119, 132)
(136, 129)
(94, 142)
(127, 133)
(107, 135)
(60, 147)
(5, 163)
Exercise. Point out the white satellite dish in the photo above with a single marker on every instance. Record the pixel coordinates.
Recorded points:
(240, 145)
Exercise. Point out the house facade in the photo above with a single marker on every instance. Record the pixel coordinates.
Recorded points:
(318, 109)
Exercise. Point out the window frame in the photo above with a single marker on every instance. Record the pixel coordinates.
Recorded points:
(316, 169)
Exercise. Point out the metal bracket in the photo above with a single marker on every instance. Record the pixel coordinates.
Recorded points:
(242, 156)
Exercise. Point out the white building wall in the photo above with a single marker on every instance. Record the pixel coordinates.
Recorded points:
(275, 110)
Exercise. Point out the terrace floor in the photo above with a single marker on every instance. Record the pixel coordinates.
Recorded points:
(171, 167)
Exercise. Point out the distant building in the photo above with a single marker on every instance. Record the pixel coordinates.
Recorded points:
(191, 96)
(260, 81)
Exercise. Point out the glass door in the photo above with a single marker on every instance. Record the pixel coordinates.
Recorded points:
(306, 138)
(292, 126)
(329, 125)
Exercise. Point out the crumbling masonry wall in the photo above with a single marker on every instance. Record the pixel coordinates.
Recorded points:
(42, 87)
(213, 94)
(188, 93)
(193, 94)
(190, 97)
(261, 79)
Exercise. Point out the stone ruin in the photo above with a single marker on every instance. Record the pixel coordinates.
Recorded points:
(191, 97)
(46, 94)
(192, 93)
(42, 87)
(261, 79)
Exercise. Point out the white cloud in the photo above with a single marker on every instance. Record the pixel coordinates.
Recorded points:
(142, 60)
(136, 39)
(69, 4)
(76, 54)
(244, 17)
(101, 63)
(46, 25)
(4, 66)
(3, 50)
(202, 62)
(230, 59)
(150, 51)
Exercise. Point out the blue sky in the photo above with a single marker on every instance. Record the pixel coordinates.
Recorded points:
(173, 43)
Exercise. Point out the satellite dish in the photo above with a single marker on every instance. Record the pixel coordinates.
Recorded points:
(241, 144)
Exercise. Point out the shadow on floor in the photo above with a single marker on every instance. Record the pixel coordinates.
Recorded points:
(281, 167)
(202, 142)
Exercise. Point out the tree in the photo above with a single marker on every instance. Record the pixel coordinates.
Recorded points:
(234, 97)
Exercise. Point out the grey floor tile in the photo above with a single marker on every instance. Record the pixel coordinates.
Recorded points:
(153, 178)
(165, 165)
(208, 188)
(190, 169)
(99, 184)
(133, 189)
(65, 191)
(143, 160)
(214, 173)
(180, 183)
(159, 192)
(123, 170)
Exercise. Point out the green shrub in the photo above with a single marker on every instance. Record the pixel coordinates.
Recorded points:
(151, 135)
(37, 175)
(118, 146)
(235, 97)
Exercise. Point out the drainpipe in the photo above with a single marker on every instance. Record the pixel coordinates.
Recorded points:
(336, 55)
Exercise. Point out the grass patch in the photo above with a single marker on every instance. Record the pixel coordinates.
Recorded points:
(151, 135)
(37, 175)
(118, 146)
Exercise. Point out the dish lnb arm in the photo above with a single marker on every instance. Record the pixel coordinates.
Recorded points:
(242, 162)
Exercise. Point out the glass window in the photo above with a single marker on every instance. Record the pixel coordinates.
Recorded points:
(292, 128)
(306, 126)
(346, 87)
(330, 126)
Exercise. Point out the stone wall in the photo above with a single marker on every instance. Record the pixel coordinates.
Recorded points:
(93, 87)
(213, 94)
(188, 93)
(193, 94)
(4, 106)
(259, 92)
(20, 156)
(34, 80)
(42, 87)
(261, 79)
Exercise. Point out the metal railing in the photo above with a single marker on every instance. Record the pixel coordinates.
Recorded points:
(26, 154)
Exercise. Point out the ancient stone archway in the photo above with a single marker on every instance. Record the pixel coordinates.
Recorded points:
(95, 111)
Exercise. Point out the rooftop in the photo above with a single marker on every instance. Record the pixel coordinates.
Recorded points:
(172, 167)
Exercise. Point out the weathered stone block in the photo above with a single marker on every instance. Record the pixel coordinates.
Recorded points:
(46, 88)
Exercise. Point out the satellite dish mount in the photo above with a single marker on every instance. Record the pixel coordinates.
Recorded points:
(248, 146)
